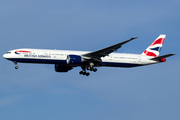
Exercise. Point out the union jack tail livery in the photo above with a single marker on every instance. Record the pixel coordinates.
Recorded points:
(155, 48)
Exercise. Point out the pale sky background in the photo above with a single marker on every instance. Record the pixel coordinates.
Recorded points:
(37, 92)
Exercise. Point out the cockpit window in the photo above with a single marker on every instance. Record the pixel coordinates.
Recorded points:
(8, 52)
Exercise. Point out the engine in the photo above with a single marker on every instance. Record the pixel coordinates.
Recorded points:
(62, 68)
(74, 59)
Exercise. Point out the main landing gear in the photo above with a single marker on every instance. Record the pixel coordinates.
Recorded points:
(83, 72)
(16, 67)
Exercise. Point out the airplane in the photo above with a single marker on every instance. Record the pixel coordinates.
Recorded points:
(65, 60)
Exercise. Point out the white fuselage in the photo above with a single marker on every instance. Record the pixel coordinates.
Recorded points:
(47, 56)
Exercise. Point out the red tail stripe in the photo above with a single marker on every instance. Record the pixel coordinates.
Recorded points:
(158, 41)
(150, 53)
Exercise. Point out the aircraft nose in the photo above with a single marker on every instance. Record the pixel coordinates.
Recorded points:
(4, 56)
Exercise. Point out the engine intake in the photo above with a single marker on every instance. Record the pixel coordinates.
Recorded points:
(74, 59)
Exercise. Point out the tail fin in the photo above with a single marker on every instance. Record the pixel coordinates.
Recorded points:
(155, 48)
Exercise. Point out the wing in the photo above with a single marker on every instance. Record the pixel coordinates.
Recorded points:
(106, 51)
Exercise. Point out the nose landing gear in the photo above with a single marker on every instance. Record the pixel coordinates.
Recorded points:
(16, 67)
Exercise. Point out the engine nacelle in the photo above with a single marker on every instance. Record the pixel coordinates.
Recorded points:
(62, 68)
(74, 59)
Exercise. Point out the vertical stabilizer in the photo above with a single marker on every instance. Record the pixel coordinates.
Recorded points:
(155, 48)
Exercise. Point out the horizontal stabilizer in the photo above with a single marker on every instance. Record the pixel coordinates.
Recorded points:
(163, 56)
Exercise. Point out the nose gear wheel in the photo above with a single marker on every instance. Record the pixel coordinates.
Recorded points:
(16, 67)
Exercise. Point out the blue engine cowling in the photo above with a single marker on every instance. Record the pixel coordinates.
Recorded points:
(74, 59)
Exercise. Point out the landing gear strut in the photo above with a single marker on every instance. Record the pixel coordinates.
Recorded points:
(16, 67)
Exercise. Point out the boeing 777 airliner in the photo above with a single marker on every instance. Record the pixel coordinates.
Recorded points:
(65, 60)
